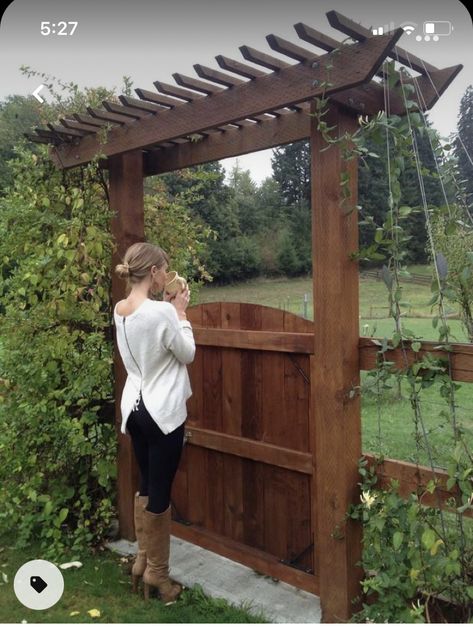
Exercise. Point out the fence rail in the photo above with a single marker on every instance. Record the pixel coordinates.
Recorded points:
(414, 278)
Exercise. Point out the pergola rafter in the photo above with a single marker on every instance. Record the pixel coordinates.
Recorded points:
(238, 109)
(195, 108)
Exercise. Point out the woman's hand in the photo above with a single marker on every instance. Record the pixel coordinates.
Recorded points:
(169, 298)
(180, 302)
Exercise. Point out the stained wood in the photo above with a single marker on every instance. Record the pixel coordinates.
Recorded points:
(44, 136)
(314, 509)
(253, 558)
(107, 116)
(177, 92)
(249, 448)
(237, 67)
(77, 126)
(315, 37)
(88, 119)
(196, 459)
(163, 101)
(461, 356)
(127, 225)
(142, 105)
(335, 370)
(413, 478)
(354, 65)
(193, 83)
(217, 77)
(212, 419)
(261, 58)
(231, 427)
(283, 46)
(130, 112)
(276, 425)
(360, 33)
(299, 533)
(276, 513)
(252, 412)
(68, 132)
(279, 341)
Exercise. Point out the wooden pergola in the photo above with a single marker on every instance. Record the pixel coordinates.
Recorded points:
(311, 440)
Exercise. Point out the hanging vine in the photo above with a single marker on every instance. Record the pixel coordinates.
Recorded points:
(431, 549)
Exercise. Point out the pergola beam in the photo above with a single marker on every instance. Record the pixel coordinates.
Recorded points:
(360, 33)
(351, 66)
(231, 143)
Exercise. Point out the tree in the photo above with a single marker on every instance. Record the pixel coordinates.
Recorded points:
(17, 116)
(464, 144)
(291, 169)
(243, 200)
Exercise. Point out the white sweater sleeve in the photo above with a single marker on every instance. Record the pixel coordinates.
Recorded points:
(179, 338)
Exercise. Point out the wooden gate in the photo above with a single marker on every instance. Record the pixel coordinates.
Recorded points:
(244, 486)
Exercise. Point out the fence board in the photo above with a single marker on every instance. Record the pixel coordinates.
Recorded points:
(252, 403)
(276, 427)
(232, 420)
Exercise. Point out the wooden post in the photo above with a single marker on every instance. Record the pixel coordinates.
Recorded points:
(334, 372)
(126, 200)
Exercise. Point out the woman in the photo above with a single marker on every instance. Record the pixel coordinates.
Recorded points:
(156, 342)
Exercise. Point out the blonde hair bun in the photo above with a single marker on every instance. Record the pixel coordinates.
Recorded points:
(123, 270)
(138, 260)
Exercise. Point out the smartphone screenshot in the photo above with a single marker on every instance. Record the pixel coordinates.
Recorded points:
(236, 251)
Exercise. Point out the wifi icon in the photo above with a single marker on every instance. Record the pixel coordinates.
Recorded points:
(408, 27)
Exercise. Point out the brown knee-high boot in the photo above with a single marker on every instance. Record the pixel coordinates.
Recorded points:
(157, 531)
(139, 564)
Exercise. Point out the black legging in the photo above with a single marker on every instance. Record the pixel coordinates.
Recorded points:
(158, 457)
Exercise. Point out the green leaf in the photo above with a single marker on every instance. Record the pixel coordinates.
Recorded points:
(48, 508)
(435, 546)
(404, 211)
(397, 539)
(63, 514)
(428, 538)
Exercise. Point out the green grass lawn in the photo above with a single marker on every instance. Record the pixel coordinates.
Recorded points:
(288, 294)
(103, 584)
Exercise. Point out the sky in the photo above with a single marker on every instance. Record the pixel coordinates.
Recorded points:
(149, 40)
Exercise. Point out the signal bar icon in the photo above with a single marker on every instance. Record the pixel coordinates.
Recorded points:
(408, 27)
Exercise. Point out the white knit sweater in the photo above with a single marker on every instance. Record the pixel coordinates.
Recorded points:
(155, 347)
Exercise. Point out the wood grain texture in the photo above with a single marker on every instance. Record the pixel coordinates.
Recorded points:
(353, 65)
(337, 417)
(127, 225)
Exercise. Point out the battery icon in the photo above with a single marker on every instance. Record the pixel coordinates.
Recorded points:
(441, 28)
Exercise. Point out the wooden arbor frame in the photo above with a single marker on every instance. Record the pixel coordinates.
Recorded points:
(239, 110)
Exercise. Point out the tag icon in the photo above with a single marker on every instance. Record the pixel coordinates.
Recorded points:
(38, 584)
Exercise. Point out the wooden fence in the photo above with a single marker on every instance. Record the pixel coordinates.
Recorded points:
(245, 486)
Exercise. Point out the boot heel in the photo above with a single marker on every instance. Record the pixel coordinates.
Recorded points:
(135, 581)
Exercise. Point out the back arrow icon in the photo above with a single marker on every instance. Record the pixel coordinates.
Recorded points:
(36, 94)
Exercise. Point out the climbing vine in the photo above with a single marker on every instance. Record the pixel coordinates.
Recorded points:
(431, 548)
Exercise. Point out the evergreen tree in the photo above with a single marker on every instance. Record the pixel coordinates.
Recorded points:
(464, 144)
(291, 169)
(244, 200)
(269, 204)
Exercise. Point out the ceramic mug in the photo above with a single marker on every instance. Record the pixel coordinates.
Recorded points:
(174, 283)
